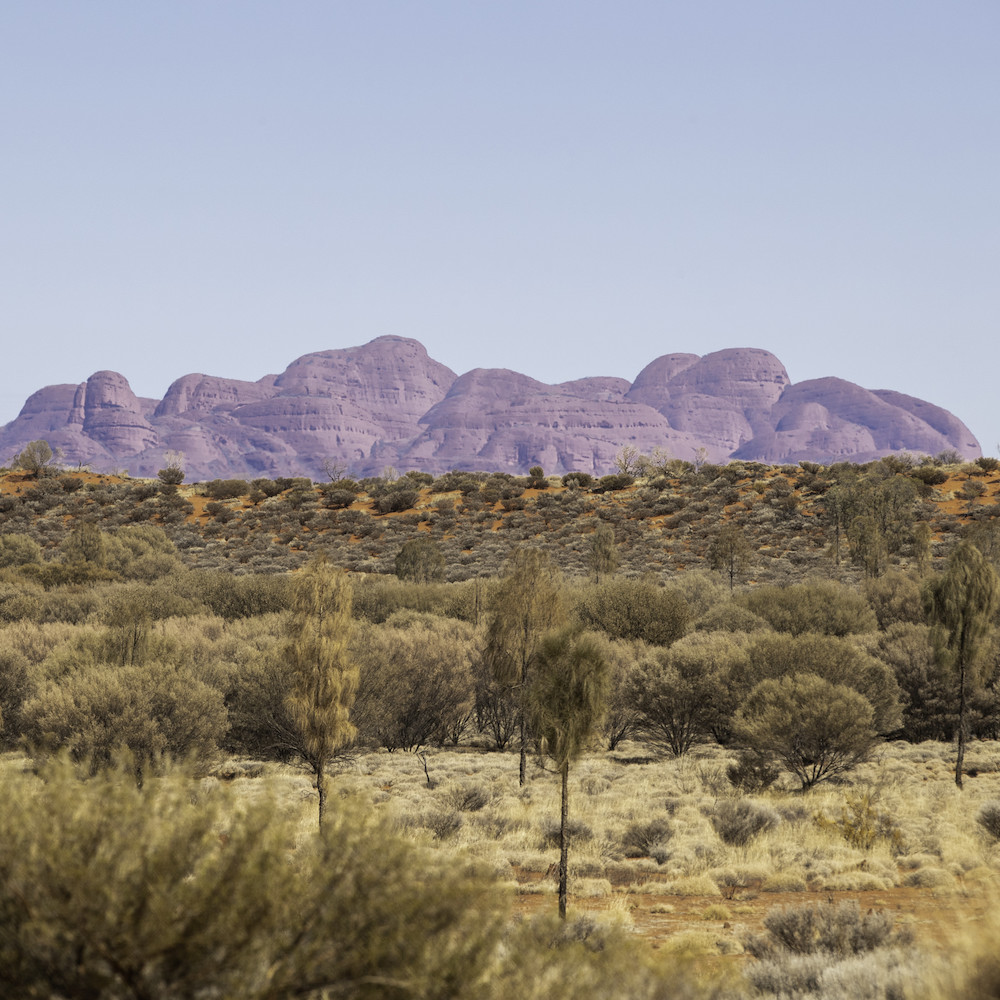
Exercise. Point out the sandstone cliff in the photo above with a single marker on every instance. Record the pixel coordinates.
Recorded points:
(388, 403)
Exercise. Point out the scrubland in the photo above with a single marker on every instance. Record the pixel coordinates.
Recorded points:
(162, 835)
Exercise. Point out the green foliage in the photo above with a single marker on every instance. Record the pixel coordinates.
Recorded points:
(837, 660)
(421, 560)
(154, 710)
(226, 489)
(814, 728)
(416, 684)
(566, 698)
(680, 694)
(863, 825)
(603, 559)
(635, 609)
(35, 458)
(739, 821)
(322, 677)
(731, 552)
(613, 483)
(233, 597)
(568, 692)
(895, 597)
(176, 891)
(821, 606)
(961, 604)
(397, 499)
(19, 550)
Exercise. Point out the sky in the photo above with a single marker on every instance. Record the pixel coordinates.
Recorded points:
(561, 187)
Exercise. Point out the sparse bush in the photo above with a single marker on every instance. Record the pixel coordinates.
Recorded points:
(226, 489)
(469, 798)
(738, 821)
(641, 840)
(752, 772)
(577, 832)
(989, 818)
(862, 825)
(839, 929)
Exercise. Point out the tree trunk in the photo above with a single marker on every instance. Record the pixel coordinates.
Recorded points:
(960, 760)
(564, 841)
(524, 753)
(321, 788)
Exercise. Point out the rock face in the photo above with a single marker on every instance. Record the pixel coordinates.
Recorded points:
(388, 403)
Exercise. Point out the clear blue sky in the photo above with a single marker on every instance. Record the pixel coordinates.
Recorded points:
(563, 188)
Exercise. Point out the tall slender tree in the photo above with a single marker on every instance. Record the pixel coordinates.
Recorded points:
(526, 604)
(731, 552)
(567, 697)
(603, 558)
(961, 604)
(323, 679)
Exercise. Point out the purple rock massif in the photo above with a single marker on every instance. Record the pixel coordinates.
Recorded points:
(388, 403)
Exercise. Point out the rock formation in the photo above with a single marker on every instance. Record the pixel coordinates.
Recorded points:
(388, 403)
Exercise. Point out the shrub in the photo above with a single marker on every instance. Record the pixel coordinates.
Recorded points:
(752, 772)
(640, 840)
(814, 728)
(738, 821)
(862, 825)
(635, 609)
(154, 710)
(823, 607)
(469, 797)
(989, 818)
(839, 929)
(613, 483)
(396, 500)
(176, 891)
(577, 831)
(226, 489)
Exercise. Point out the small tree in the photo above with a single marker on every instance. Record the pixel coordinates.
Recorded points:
(566, 697)
(730, 552)
(814, 728)
(527, 603)
(868, 546)
(603, 558)
(36, 458)
(323, 679)
(961, 605)
(421, 560)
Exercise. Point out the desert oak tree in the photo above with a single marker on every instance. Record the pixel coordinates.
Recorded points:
(323, 678)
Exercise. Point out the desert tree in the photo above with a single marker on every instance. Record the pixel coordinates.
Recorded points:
(682, 695)
(814, 728)
(420, 559)
(869, 549)
(323, 679)
(566, 700)
(603, 558)
(961, 604)
(633, 609)
(172, 473)
(36, 458)
(526, 603)
(730, 552)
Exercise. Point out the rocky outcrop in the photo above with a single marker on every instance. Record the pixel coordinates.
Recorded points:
(388, 403)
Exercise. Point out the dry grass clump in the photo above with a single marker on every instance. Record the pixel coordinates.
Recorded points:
(929, 878)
